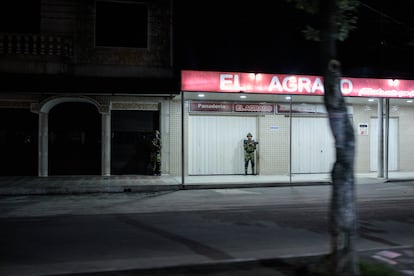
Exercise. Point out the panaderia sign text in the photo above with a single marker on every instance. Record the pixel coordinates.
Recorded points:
(231, 82)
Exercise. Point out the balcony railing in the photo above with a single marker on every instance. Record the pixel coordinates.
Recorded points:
(35, 44)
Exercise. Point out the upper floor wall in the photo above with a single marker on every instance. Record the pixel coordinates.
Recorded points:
(98, 38)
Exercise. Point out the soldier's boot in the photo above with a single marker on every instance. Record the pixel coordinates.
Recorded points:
(253, 171)
(245, 171)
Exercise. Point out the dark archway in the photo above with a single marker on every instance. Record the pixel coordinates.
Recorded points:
(74, 139)
(18, 142)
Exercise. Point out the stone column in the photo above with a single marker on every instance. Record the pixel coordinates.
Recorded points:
(165, 136)
(43, 155)
(106, 144)
(380, 137)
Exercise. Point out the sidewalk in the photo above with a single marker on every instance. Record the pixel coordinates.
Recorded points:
(385, 262)
(32, 185)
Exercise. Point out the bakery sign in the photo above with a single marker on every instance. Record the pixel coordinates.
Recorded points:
(232, 82)
(262, 108)
(231, 107)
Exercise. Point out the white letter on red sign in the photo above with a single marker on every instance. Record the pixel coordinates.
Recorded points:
(290, 84)
(304, 84)
(346, 86)
(317, 85)
(226, 82)
(275, 84)
(229, 82)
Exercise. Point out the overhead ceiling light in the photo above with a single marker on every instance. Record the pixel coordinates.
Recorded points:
(201, 95)
(243, 97)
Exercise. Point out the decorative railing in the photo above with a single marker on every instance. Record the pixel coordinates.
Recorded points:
(35, 44)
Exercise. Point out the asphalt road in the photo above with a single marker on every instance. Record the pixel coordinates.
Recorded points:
(45, 235)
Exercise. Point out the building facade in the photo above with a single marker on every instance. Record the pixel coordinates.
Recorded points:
(86, 83)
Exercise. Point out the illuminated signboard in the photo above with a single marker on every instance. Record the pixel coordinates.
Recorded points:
(232, 82)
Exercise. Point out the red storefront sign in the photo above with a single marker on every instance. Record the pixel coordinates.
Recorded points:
(231, 82)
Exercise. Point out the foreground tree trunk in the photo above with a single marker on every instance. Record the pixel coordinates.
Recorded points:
(343, 218)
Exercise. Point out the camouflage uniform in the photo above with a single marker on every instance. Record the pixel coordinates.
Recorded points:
(156, 154)
(249, 148)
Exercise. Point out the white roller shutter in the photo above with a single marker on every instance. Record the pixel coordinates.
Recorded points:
(313, 146)
(216, 143)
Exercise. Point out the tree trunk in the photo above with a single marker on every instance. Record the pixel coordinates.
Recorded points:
(343, 217)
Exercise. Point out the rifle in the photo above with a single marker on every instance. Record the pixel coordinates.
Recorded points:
(251, 142)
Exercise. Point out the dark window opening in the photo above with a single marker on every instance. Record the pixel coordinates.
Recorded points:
(20, 16)
(121, 24)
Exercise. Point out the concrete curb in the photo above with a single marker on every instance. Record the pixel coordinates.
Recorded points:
(86, 190)
(61, 186)
(194, 186)
(14, 190)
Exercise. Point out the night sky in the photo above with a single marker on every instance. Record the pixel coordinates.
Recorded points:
(265, 36)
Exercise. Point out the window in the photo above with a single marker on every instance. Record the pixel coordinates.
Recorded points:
(121, 24)
(20, 16)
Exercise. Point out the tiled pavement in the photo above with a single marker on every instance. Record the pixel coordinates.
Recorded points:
(16, 185)
(21, 185)
(399, 259)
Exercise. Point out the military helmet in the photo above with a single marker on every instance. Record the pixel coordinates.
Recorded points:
(249, 135)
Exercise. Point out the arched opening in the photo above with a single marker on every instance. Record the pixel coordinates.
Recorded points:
(74, 139)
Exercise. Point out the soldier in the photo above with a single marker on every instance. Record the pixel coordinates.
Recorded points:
(249, 149)
(156, 153)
